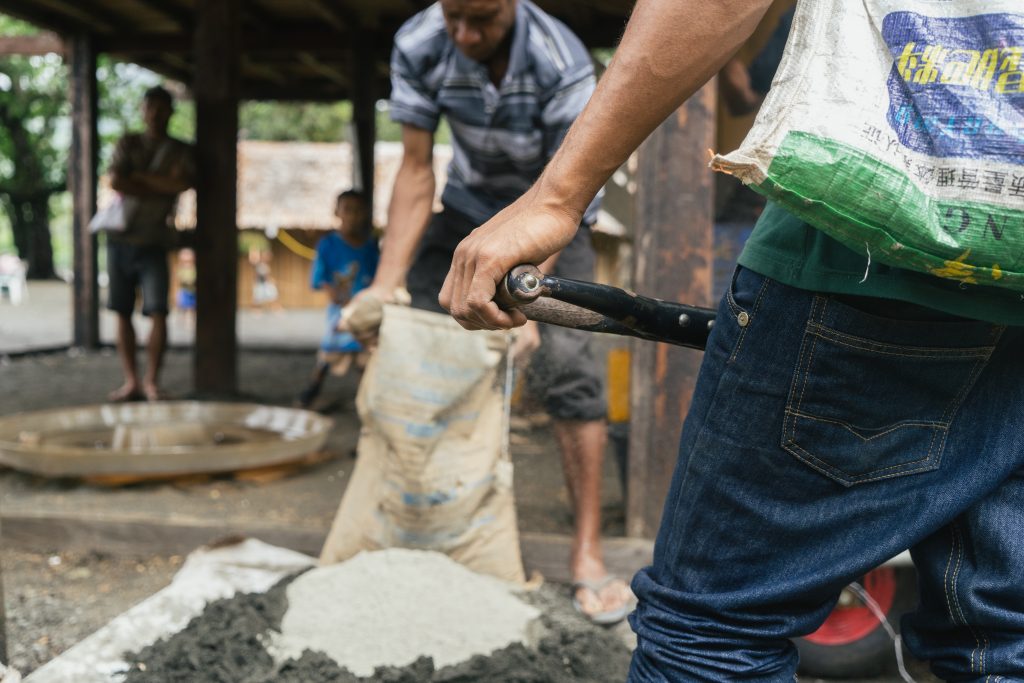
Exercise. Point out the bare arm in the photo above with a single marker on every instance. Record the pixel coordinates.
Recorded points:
(409, 213)
(130, 185)
(670, 49)
(144, 183)
(173, 183)
(734, 84)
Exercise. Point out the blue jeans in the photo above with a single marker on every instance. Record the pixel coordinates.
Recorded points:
(826, 436)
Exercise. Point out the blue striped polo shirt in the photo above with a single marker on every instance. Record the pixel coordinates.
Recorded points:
(502, 137)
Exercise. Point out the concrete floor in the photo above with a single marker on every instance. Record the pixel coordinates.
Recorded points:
(55, 598)
(303, 503)
(43, 320)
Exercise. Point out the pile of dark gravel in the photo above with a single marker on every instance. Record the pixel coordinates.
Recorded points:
(225, 645)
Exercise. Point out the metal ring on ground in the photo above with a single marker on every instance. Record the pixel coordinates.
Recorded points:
(164, 438)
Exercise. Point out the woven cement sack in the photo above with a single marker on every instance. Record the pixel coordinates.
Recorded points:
(432, 472)
(897, 127)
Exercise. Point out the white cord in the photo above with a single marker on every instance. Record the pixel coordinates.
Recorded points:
(867, 269)
(876, 609)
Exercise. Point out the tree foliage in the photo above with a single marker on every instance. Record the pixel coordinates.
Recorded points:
(35, 136)
(33, 159)
(35, 132)
(293, 121)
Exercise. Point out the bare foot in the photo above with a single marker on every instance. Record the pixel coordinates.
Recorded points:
(152, 392)
(129, 391)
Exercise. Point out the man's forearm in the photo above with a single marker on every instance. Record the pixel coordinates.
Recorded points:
(670, 49)
(162, 184)
(131, 186)
(148, 185)
(411, 205)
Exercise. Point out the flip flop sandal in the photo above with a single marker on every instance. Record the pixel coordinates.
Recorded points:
(608, 617)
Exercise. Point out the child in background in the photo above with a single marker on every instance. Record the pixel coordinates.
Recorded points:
(346, 261)
(185, 299)
(264, 289)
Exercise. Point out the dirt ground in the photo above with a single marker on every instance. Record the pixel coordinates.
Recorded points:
(36, 593)
(309, 499)
(54, 599)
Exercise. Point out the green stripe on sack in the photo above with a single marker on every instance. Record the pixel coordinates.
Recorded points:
(869, 205)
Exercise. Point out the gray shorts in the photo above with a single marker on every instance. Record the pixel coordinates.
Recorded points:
(563, 374)
(132, 267)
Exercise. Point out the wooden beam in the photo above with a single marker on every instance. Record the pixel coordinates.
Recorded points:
(40, 44)
(262, 71)
(216, 92)
(3, 614)
(134, 535)
(364, 112)
(143, 44)
(82, 178)
(301, 92)
(43, 17)
(85, 13)
(333, 14)
(177, 62)
(255, 14)
(172, 13)
(124, 535)
(162, 67)
(549, 555)
(674, 260)
(327, 71)
(320, 42)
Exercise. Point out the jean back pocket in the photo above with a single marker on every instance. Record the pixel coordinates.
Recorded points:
(873, 398)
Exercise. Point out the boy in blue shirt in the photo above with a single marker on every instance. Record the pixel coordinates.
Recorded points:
(346, 261)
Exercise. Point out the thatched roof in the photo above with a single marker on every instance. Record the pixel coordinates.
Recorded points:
(293, 185)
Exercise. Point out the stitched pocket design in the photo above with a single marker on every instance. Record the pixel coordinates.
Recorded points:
(866, 408)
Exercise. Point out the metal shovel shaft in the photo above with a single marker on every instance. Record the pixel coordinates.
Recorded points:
(602, 308)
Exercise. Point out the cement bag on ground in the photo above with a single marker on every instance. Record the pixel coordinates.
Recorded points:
(431, 472)
(897, 127)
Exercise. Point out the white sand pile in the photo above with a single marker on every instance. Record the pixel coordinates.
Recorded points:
(391, 607)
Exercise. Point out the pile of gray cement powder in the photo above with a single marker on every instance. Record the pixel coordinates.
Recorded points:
(392, 607)
(390, 617)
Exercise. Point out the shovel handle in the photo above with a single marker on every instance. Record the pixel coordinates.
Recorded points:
(602, 308)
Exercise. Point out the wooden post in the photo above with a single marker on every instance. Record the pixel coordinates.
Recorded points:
(82, 174)
(364, 112)
(216, 88)
(673, 261)
(3, 615)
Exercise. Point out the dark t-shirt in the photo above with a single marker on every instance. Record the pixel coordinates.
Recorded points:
(787, 249)
(150, 218)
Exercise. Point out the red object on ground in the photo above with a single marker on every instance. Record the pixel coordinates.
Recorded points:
(847, 625)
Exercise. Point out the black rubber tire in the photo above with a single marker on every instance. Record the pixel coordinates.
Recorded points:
(872, 654)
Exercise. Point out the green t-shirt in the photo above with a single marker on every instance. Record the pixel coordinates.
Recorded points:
(785, 248)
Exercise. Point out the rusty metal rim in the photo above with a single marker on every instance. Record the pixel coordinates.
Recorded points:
(301, 431)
